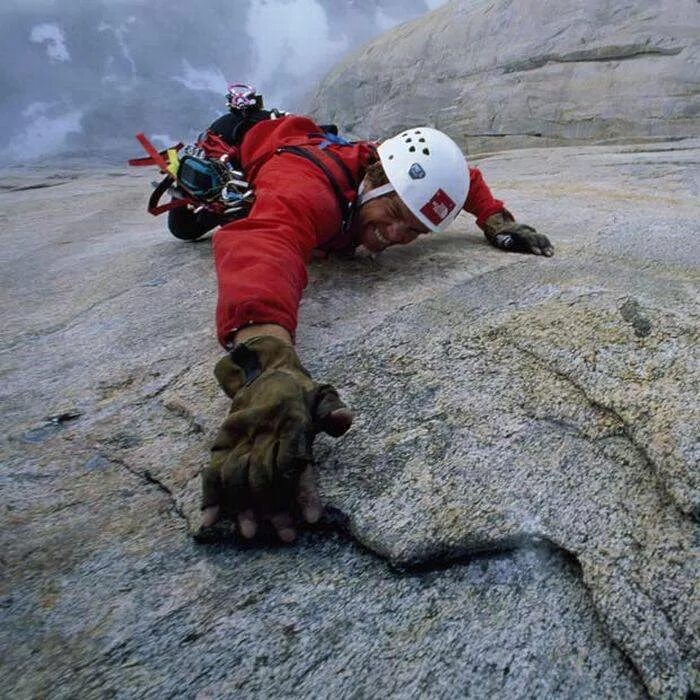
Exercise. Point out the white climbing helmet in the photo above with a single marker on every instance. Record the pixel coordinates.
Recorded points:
(428, 171)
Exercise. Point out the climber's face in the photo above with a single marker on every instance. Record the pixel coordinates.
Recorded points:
(386, 221)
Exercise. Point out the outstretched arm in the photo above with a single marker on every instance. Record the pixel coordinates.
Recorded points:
(498, 224)
(260, 469)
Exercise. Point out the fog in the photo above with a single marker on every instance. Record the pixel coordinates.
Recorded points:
(81, 77)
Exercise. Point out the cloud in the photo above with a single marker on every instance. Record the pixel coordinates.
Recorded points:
(384, 21)
(296, 42)
(52, 36)
(109, 68)
(44, 134)
(211, 79)
(36, 109)
(119, 35)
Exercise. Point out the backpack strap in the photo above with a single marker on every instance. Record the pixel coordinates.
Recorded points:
(344, 203)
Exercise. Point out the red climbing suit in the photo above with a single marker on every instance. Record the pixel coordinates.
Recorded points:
(261, 259)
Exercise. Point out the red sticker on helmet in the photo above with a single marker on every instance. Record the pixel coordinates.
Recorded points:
(438, 208)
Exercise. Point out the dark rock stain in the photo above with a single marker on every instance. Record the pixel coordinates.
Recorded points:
(630, 311)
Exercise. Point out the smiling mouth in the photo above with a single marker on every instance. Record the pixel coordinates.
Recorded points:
(380, 239)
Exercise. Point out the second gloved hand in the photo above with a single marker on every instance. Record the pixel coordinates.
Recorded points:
(502, 231)
(261, 459)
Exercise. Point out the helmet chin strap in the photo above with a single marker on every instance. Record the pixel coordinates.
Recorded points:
(380, 191)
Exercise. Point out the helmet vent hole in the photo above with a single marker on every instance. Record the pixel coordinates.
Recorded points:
(416, 132)
(421, 140)
(426, 151)
(409, 140)
(412, 149)
(391, 157)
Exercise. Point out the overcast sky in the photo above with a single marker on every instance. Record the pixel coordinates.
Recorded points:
(83, 76)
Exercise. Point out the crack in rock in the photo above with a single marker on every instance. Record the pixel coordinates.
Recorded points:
(336, 521)
(25, 188)
(604, 54)
(147, 477)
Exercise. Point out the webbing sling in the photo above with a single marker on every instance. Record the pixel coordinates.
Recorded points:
(177, 202)
(157, 158)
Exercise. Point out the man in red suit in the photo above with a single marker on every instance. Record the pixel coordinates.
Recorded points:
(314, 190)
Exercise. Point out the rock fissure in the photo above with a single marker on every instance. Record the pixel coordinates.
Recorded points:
(503, 134)
(148, 478)
(460, 555)
(25, 188)
(592, 56)
(338, 522)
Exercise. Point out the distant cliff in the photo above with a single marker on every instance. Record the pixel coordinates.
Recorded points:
(501, 74)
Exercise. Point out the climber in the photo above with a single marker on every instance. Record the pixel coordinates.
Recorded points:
(314, 190)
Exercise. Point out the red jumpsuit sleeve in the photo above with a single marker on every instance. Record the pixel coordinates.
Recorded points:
(261, 260)
(480, 202)
(261, 275)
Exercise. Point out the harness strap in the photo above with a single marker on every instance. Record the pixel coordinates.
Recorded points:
(352, 184)
(344, 204)
(330, 137)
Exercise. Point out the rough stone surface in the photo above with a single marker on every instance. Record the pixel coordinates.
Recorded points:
(502, 74)
(512, 513)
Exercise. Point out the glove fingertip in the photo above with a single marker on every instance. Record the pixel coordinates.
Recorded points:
(210, 514)
(338, 422)
(211, 488)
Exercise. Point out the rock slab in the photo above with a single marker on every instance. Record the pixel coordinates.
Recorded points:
(514, 511)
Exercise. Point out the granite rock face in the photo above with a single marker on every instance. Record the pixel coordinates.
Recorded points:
(500, 74)
(514, 512)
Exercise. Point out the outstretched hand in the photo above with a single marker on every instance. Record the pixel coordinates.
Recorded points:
(261, 465)
(307, 503)
(505, 233)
